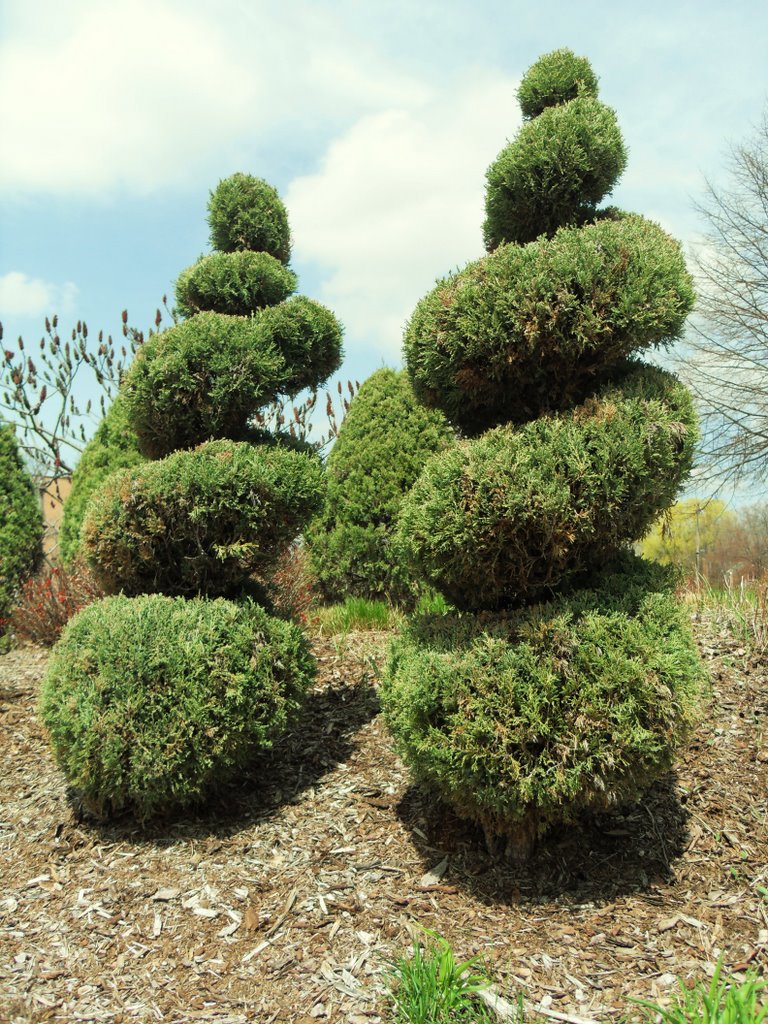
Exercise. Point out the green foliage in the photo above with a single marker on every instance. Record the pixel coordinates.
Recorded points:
(544, 711)
(21, 527)
(200, 521)
(206, 377)
(152, 701)
(430, 987)
(233, 282)
(356, 613)
(553, 79)
(724, 1001)
(247, 213)
(521, 511)
(308, 337)
(382, 447)
(112, 447)
(524, 330)
(560, 166)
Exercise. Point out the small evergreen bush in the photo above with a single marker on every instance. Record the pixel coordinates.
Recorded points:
(152, 701)
(114, 446)
(383, 444)
(200, 521)
(555, 78)
(21, 525)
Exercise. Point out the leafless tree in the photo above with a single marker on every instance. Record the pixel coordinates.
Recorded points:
(726, 357)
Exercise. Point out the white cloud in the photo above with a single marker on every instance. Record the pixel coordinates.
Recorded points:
(139, 93)
(398, 202)
(21, 295)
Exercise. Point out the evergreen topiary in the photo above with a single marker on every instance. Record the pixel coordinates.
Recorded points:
(21, 524)
(151, 700)
(114, 446)
(382, 446)
(562, 684)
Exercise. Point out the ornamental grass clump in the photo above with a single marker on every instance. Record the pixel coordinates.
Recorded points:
(159, 693)
(565, 676)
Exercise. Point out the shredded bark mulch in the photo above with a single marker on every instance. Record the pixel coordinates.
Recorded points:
(285, 899)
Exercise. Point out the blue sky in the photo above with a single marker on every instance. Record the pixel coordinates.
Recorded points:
(375, 120)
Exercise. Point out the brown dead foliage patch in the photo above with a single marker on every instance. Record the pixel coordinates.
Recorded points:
(282, 900)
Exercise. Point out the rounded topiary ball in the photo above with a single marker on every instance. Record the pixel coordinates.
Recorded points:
(233, 282)
(152, 701)
(245, 212)
(555, 78)
(201, 521)
(21, 526)
(523, 720)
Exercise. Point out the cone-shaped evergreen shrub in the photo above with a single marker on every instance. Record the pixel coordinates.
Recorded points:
(21, 524)
(560, 686)
(151, 700)
(382, 446)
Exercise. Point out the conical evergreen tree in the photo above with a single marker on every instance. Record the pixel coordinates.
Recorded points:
(569, 675)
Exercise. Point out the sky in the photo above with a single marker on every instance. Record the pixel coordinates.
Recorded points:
(374, 120)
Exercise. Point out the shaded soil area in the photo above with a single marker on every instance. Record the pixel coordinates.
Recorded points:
(284, 899)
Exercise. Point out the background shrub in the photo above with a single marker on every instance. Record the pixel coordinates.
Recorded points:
(114, 446)
(200, 521)
(382, 446)
(47, 602)
(152, 701)
(21, 523)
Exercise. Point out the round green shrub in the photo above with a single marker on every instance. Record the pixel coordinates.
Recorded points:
(150, 702)
(21, 522)
(519, 512)
(200, 521)
(383, 444)
(114, 446)
(247, 213)
(203, 378)
(536, 715)
(555, 172)
(233, 282)
(524, 331)
(308, 336)
(553, 79)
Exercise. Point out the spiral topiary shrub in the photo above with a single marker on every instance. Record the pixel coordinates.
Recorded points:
(560, 684)
(151, 699)
(112, 447)
(142, 530)
(21, 523)
(382, 446)
(151, 702)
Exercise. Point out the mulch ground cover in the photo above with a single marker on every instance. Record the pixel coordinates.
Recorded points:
(284, 899)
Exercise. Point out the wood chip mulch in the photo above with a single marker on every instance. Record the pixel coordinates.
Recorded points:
(284, 899)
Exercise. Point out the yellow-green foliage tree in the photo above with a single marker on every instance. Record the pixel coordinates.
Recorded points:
(689, 526)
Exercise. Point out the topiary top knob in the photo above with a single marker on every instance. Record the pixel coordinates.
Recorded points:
(245, 212)
(553, 79)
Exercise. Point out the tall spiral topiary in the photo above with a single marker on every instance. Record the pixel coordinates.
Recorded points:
(170, 685)
(382, 446)
(568, 675)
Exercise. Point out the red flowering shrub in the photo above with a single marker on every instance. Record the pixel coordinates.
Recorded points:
(49, 600)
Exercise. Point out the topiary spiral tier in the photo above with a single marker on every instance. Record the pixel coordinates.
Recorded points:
(558, 684)
(155, 696)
